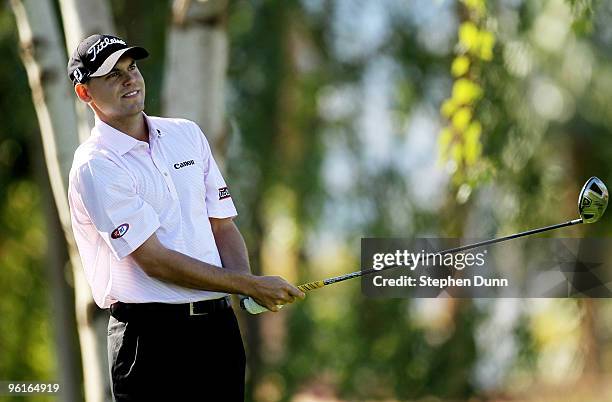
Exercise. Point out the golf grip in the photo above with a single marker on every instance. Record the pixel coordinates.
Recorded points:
(253, 307)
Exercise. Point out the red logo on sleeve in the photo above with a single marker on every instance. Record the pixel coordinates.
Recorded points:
(120, 231)
(224, 193)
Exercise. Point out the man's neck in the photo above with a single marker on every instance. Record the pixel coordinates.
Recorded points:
(134, 126)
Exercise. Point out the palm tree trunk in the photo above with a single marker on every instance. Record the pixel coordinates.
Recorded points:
(82, 18)
(58, 267)
(61, 128)
(196, 64)
(193, 88)
(44, 59)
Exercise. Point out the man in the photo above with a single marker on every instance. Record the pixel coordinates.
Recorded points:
(152, 218)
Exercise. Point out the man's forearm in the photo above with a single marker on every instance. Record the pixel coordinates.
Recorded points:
(189, 272)
(172, 266)
(177, 268)
(232, 248)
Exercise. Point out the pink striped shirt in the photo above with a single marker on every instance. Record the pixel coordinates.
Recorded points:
(122, 190)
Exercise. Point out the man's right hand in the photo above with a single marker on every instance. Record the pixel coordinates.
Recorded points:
(273, 291)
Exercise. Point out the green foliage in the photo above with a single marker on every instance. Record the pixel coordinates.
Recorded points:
(337, 341)
(26, 336)
(460, 142)
(583, 15)
(19, 123)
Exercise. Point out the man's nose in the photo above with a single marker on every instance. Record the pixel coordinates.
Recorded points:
(129, 78)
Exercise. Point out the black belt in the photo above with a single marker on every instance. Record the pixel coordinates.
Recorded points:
(122, 311)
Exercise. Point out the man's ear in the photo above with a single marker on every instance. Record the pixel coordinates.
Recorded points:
(83, 92)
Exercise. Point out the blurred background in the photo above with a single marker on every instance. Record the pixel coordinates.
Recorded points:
(332, 120)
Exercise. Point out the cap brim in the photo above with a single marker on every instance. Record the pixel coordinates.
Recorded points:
(136, 52)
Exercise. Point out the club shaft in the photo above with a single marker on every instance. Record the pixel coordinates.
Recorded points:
(318, 284)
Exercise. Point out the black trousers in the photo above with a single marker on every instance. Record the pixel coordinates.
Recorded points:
(168, 356)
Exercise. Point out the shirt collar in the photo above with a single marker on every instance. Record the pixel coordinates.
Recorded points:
(117, 140)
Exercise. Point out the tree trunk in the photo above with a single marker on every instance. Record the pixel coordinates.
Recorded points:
(62, 293)
(44, 59)
(54, 104)
(194, 88)
(82, 18)
(196, 64)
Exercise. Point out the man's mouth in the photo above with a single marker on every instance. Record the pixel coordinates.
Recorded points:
(131, 94)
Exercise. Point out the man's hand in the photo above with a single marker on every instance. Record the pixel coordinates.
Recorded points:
(273, 291)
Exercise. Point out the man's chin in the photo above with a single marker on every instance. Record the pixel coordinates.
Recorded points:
(136, 109)
(127, 113)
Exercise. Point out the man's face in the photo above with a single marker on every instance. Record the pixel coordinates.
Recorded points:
(120, 93)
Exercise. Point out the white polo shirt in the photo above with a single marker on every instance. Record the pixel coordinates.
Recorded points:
(122, 190)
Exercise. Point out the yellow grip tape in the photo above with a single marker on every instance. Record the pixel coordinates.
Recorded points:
(311, 286)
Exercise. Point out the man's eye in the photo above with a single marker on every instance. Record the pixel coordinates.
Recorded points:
(132, 67)
(113, 75)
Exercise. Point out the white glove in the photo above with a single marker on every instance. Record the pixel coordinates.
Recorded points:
(250, 305)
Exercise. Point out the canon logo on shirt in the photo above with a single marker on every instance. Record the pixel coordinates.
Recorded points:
(183, 164)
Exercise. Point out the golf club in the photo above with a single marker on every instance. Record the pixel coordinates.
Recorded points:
(592, 204)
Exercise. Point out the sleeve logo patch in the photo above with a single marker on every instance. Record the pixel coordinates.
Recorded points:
(120, 231)
(224, 193)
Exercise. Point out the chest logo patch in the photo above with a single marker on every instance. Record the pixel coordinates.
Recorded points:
(183, 164)
(120, 231)
(224, 193)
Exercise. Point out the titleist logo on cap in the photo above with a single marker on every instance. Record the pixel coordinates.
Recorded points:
(101, 44)
(96, 56)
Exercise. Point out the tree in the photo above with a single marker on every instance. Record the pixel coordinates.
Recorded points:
(43, 58)
(196, 65)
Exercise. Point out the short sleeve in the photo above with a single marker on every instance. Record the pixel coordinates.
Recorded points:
(108, 196)
(219, 201)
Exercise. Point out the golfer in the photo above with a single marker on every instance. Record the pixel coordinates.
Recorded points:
(152, 219)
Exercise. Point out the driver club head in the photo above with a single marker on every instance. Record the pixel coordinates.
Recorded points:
(593, 200)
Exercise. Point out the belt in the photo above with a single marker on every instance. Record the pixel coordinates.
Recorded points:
(121, 310)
